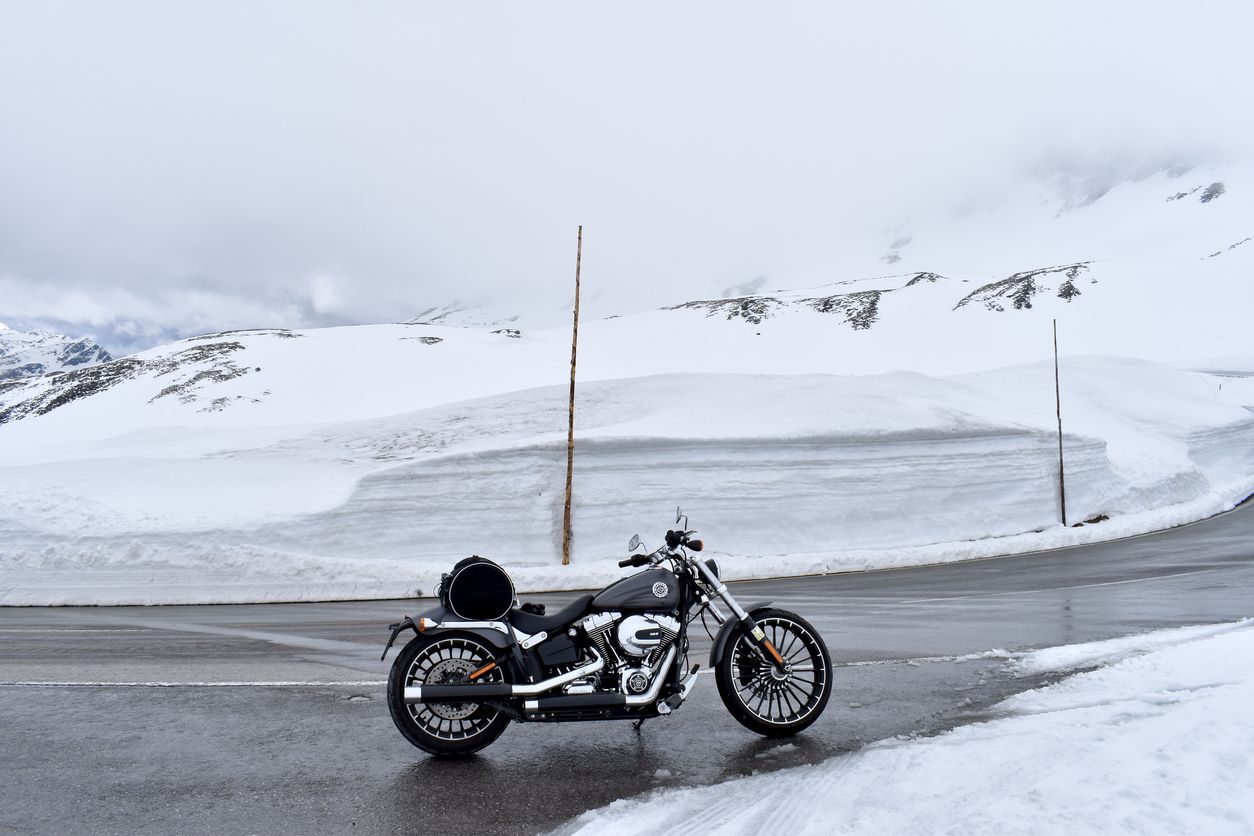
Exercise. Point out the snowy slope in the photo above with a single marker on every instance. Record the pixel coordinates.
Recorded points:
(24, 353)
(282, 377)
(1130, 264)
(1158, 742)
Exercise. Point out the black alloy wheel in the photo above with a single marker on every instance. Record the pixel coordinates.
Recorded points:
(444, 728)
(761, 697)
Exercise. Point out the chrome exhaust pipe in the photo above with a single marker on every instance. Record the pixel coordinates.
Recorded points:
(605, 700)
(470, 692)
(659, 678)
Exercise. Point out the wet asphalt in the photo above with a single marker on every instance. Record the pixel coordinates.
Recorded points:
(320, 755)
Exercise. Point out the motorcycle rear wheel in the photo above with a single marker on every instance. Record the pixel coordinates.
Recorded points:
(756, 695)
(445, 729)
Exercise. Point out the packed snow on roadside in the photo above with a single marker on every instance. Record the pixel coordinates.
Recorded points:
(1156, 741)
(781, 474)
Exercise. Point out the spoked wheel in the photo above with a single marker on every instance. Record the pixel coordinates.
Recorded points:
(444, 728)
(762, 698)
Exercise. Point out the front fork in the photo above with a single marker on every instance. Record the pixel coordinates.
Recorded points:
(768, 650)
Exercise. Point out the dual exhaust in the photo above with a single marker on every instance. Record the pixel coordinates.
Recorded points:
(470, 692)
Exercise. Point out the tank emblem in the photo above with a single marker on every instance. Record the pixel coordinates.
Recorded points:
(660, 589)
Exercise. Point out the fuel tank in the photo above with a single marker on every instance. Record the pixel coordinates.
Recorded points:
(654, 590)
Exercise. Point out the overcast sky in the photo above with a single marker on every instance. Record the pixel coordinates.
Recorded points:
(173, 168)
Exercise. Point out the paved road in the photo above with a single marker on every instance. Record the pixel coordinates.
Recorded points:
(322, 756)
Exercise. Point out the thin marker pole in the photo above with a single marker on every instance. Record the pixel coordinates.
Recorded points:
(1062, 481)
(570, 433)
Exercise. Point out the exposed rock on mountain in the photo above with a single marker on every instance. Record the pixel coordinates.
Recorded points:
(752, 309)
(1245, 240)
(1182, 195)
(30, 353)
(860, 309)
(190, 369)
(1019, 289)
(1213, 191)
(23, 397)
(195, 368)
(281, 333)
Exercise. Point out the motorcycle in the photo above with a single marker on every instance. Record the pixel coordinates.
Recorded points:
(479, 660)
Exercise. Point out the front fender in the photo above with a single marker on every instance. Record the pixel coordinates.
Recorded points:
(724, 633)
(438, 614)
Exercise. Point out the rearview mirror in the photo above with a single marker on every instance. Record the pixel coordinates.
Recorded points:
(634, 544)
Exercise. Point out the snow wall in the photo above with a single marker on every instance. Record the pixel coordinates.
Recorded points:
(781, 475)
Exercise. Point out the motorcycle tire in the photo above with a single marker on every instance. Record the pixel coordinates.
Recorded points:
(756, 695)
(444, 729)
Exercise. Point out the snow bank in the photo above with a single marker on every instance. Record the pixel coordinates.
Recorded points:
(1159, 743)
(781, 474)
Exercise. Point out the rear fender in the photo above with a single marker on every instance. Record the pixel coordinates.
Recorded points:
(724, 633)
(448, 621)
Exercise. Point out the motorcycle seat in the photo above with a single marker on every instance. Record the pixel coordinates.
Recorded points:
(532, 623)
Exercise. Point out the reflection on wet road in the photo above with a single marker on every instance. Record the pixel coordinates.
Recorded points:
(318, 753)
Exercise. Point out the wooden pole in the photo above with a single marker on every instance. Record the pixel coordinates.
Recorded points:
(1062, 481)
(570, 433)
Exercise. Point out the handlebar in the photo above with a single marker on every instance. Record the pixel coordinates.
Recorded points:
(674, 539)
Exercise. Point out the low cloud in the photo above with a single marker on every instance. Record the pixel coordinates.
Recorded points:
(169, 168)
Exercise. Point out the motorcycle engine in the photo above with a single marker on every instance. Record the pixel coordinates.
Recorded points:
(639, 642)
(641, 636)
(643, 639)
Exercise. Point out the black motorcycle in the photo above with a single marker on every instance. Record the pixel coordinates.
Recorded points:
(479, 660)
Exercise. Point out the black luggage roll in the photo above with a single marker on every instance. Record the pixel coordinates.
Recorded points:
(477, 590)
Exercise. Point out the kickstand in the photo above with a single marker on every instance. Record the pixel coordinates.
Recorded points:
(636, 725)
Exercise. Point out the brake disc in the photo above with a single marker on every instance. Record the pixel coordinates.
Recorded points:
(452, 672)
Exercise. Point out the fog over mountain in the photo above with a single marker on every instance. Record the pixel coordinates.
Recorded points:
(169, 169)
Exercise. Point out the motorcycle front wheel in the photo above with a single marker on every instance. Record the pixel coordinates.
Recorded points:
(444, 728)
(757, 694)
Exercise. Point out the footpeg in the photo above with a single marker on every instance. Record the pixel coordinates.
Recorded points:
(675, 700)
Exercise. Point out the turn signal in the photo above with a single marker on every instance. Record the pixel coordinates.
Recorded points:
(422, 625)
(696, 545)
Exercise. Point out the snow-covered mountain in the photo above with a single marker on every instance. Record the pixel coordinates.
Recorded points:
(26, 353)
(924, 321)
(463, 315)
(857, 303)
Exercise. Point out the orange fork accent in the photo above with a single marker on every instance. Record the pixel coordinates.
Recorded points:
(770, 647)
(489, 666)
